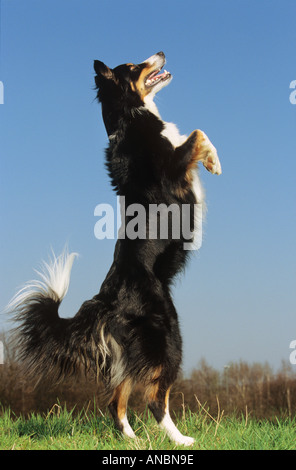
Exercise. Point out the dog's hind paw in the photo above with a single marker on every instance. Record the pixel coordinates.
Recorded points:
(185, 441)
(173, 433)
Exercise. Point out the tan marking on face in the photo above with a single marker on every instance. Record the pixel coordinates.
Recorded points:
(139, 85)
(133, 86)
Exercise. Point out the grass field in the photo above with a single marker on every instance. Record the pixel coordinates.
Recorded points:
(62, 430)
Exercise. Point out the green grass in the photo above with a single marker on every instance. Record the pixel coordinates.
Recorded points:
(62, 430)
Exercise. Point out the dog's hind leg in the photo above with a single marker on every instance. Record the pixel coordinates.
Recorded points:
(118, 408)
(158, 402)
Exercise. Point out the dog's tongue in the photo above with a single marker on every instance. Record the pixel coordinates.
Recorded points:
(157, 75)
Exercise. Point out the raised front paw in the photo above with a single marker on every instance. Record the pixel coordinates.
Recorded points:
(207, 154)
(211, 161)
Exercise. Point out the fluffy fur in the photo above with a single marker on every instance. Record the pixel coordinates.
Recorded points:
(129, 331)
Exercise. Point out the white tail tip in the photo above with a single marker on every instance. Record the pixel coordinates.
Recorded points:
(54, 282)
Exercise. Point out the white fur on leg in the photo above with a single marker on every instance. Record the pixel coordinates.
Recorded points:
(173, 433)
(127, 430)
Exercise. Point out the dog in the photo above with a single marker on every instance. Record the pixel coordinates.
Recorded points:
(129, 332)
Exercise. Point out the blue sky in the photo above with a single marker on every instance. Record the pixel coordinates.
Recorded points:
(232, 62)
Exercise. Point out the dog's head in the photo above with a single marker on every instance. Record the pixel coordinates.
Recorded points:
(132, 83)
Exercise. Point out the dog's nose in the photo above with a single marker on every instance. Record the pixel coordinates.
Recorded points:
(161, 54)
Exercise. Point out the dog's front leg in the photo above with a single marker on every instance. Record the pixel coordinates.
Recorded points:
(199, 148)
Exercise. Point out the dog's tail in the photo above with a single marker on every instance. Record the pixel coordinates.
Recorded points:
(51, 345)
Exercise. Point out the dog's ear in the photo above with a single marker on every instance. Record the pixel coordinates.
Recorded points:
(102, 71)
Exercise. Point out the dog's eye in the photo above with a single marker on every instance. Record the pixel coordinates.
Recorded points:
(134, 68)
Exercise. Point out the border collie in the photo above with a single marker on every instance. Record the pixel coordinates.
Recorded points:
(129, 332)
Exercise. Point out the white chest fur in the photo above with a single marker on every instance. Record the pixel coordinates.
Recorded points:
(171, 132)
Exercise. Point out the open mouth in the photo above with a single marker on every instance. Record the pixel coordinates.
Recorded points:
(156, 77)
